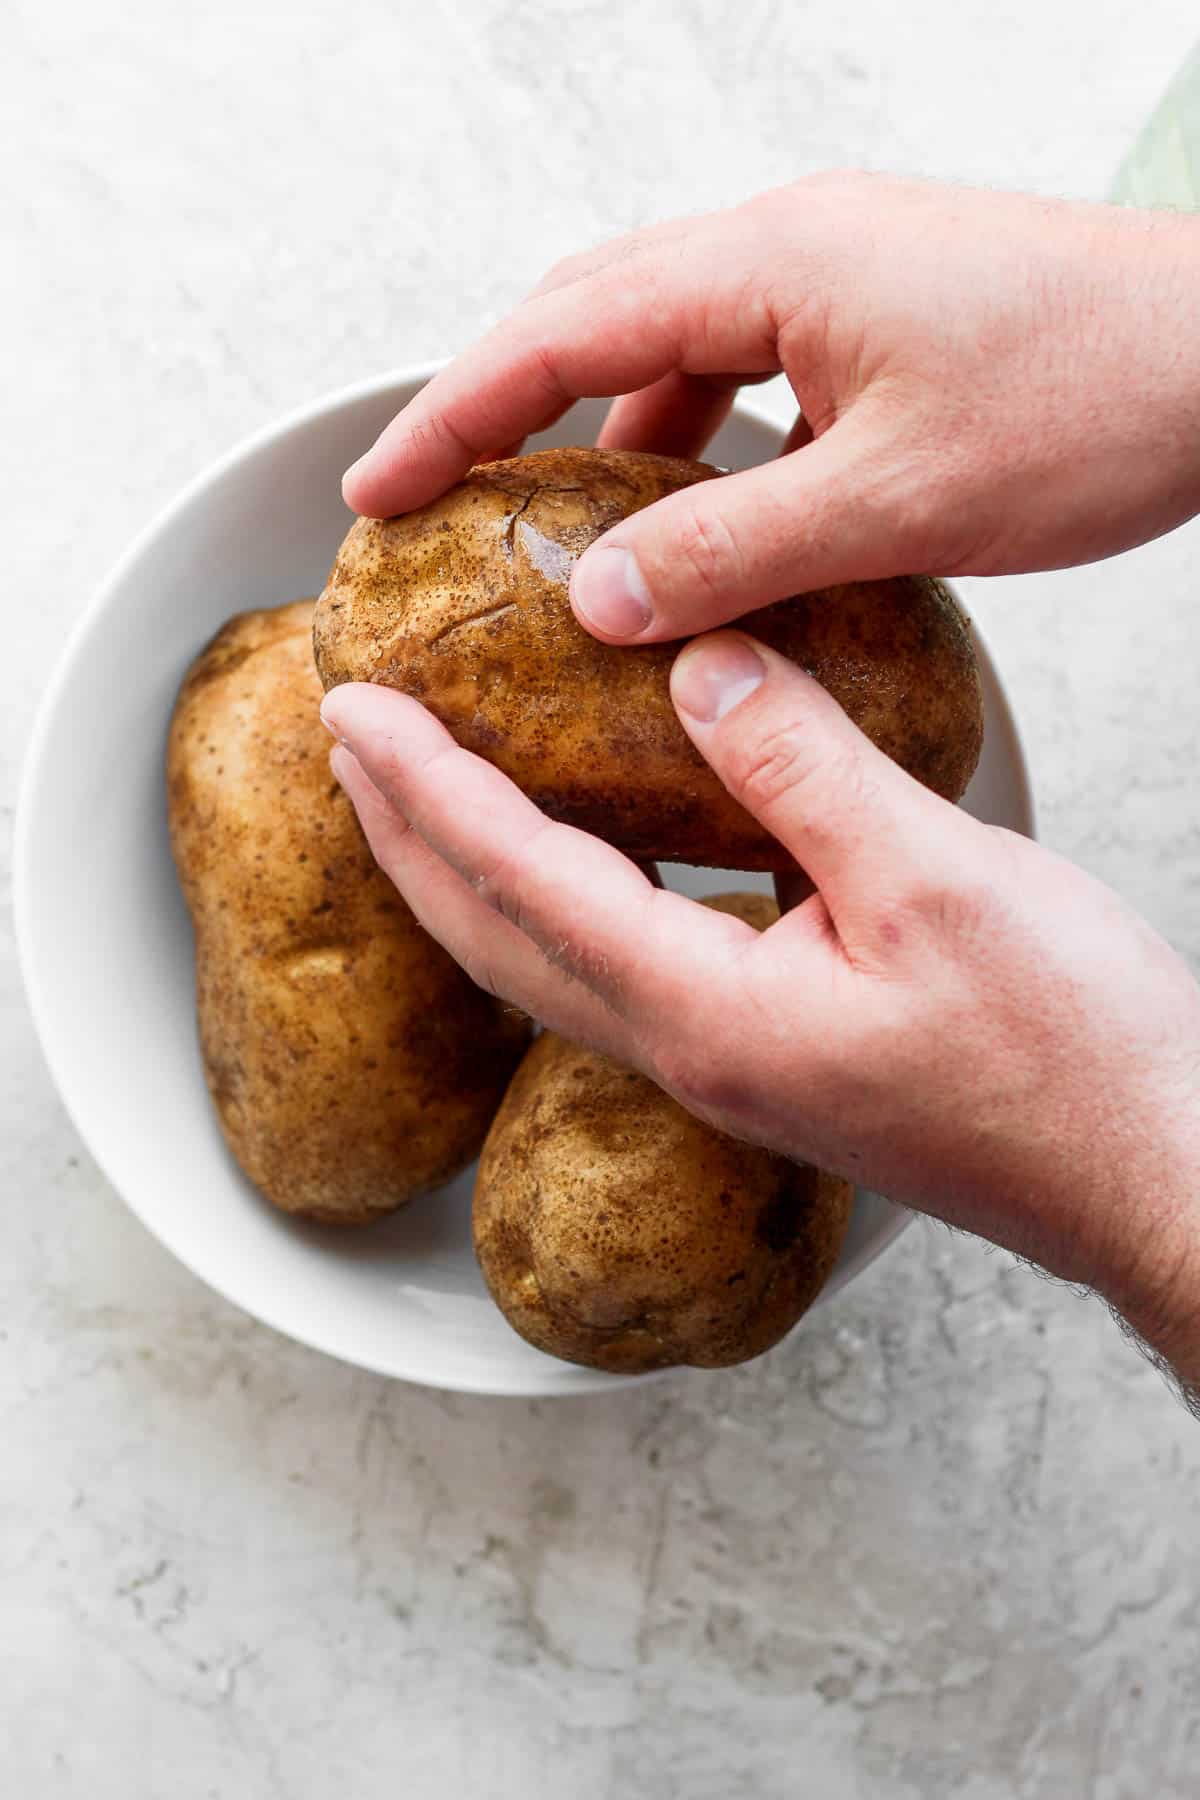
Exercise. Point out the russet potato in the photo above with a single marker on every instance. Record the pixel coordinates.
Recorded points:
(616, 1230)
(463, 604)
(351, 1062)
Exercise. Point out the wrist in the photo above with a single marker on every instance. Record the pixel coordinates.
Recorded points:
(1151, 1272)
(1159, 300)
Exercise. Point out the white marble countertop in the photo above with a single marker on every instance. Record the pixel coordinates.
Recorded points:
(944, 1544)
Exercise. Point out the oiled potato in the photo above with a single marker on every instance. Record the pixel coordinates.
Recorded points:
(615, 1229)
(351, 1062)
(464, 605)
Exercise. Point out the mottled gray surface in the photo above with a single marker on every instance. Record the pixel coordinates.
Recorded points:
(944, 1543)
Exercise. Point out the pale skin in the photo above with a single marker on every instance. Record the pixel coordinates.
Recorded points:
(955, 1016)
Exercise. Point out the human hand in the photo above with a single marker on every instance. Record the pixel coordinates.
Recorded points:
(992, 383)
(955, 1017)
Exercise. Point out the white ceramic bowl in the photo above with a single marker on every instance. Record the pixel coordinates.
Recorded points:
(106, 944)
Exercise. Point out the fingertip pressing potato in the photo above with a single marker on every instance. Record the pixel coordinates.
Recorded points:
(463, 604)
(351, 1062)
(616, 1230)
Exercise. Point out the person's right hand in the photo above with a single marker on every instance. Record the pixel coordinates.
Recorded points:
(956, 1017)
(991, 383)
(987, 383)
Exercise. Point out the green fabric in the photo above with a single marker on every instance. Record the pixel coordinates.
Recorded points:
(1163, 168)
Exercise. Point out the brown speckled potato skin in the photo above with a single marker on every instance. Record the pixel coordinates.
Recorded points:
(616, 1230)
(351, 1062)
(464, 605)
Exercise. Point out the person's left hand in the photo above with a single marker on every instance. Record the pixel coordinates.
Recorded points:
(955, 1017)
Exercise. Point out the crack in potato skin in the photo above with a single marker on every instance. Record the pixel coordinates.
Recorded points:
(351, 1062)
(463, 604)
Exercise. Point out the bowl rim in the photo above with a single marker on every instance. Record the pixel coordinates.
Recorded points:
(45, 719)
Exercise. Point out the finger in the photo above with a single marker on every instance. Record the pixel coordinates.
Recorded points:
(871, 837)
(495, 955)
(674, 417)
(836, 511)
(677, 416)
(444, 430)
(643, 951)
(649, 239)
(613, 332)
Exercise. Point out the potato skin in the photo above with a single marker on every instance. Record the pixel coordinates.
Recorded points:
(616, 1230)
(351, 1062)
(463, 604)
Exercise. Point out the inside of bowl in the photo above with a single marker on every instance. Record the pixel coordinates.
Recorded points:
(107, 942)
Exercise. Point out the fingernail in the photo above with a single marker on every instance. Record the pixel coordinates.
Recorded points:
(711, 677)
(609, 592)
(335, 731)
(351, 475)
(341, 715)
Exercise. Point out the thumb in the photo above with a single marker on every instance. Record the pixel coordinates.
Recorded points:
(873, 840)
(835, 510)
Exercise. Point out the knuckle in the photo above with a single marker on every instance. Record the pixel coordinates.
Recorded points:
(836, 186)
(514, 887)
(545, 371)
(501, 887)
(775, 767)
(691, 1067)
(478, 969)
(709, 551)
(779, 762)
(845, 177)
(437, 432)
(589, 966)
(580, 265)
(687, 1076)
(510, 880)
(924, 511)
(507, 899)
(710, 1089)
(565, 270)
(958, 907)
(966, 909)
